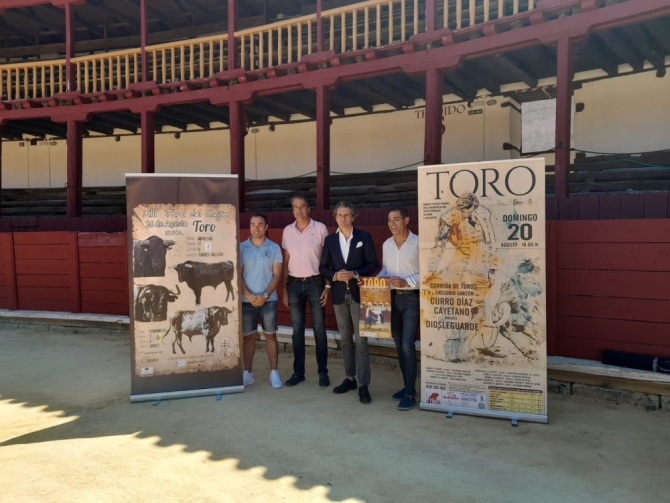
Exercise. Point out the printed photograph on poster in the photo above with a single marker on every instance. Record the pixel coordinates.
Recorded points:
(185, 298)
(482, 246)
(375, 318)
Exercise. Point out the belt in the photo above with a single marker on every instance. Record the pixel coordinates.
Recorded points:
(403, 292)
(293, 278)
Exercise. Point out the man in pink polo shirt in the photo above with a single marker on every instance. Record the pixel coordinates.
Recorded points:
(302, 244)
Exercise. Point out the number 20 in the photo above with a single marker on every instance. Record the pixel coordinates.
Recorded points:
(526, 232)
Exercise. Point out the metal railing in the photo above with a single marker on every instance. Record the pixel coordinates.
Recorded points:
(364, 25)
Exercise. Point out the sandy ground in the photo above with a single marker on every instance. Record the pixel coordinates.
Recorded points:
(68, 433)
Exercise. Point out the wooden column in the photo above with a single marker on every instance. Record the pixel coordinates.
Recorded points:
(319, 26)
(0, 157)
(74, 168)
(70, 73)
(323, 121)
(238, 126)
(232, 44)
(144, 29)
(564, 91)
(432, 148)
(431, 15)
(148, 142)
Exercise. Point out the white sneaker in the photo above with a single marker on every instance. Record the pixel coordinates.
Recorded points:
(248, 378)
(275, 380)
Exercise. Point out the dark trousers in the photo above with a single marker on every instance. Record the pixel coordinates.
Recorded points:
(299, 294)
(404, 326)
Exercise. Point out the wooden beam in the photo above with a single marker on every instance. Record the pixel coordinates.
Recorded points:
(660, 30)
(238, 127)
(261, 109)
(156, 14)
(292, 105)
(148, 142)
(232, 43)
(408, 85)
(564, 92)
(647, 46)
(118, 121)
(394, 94)
(80, 20)
(212, 113)
(144, 36)
(602, 55)
(350, 97)
(461, 81)
(168, 118)
(432, 149)
(21, 35)
(35, 19)
(191, 117)
(74, 168)
(483, 80)
(39, 128)
(323, 122)
(623, 48)
(371, 95)
(70, 77)
(522, 74)
(98, 126)
(456, 91)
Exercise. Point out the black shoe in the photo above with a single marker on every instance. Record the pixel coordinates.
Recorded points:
(295, 379)
(324, 381)
(347, 385)
(364, 395)
(407, 403)
(399, 395)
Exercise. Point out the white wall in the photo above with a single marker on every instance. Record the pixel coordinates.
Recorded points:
(624, 114)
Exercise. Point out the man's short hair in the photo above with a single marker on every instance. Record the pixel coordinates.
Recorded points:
(301, 197)
(345, 204)
(400, 209)
(260, 215)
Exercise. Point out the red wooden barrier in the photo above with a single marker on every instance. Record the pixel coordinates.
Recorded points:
(8, 297)
(47, 271)
(104, 273)
(612, 289)
(607, 281)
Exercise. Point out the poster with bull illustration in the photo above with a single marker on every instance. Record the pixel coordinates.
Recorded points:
(185, 305)
(483, 289)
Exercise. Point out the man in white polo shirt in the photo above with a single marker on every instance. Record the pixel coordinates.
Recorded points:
(302, 243)
(401, 264)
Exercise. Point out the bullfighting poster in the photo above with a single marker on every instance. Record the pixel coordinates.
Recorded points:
(483, 282)
(183, 236)
(375, 319)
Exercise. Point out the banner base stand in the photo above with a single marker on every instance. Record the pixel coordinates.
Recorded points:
(514, 417)
(171, 395)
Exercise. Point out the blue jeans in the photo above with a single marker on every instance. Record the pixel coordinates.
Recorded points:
(404, 326)
(299, 294)
(267, 314)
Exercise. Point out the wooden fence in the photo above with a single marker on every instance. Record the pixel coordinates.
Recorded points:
(607, 281)
(356, 27)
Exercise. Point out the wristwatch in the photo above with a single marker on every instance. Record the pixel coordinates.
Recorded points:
(267, 296)
(356, 276)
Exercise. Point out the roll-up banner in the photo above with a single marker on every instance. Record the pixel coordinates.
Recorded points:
(183, 237)
(483, 283)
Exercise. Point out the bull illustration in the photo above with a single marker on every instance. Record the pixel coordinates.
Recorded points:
(149, 257)
(207, 322)
(198, 275)
(151, 302)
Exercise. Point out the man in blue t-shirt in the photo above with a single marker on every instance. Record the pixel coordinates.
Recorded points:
(261, 272)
